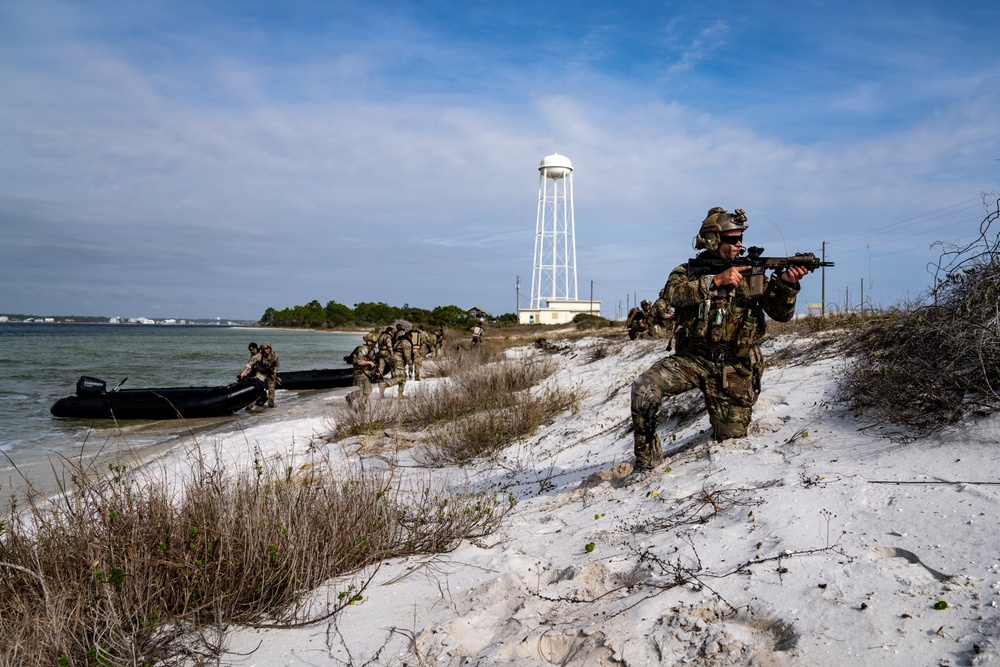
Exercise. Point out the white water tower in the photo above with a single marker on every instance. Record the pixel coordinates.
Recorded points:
(554, 275)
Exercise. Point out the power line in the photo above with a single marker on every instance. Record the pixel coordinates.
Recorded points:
(934, 215)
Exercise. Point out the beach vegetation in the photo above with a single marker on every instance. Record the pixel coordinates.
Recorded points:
(935, 361)
(923, 364)
(123, 569)
(587, 321)
(488, 402)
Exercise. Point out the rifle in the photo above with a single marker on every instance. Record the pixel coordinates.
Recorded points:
(704, 266)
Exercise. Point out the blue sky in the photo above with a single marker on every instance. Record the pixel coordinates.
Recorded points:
(191, 159)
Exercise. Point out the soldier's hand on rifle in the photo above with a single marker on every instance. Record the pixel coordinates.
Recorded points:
(731, 276)
(793, 274)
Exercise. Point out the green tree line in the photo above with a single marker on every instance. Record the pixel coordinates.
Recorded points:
(315, 315)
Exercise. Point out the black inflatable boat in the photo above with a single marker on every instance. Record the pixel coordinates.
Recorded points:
(325, 378)
(93, 401)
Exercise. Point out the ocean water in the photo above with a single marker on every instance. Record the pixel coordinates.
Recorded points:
(42, 362)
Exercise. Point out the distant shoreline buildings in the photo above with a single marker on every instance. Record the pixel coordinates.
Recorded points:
(34, 319)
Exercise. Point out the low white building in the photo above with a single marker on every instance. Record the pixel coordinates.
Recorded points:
(558, 312)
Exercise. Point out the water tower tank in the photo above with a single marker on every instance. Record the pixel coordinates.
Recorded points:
(555, 166)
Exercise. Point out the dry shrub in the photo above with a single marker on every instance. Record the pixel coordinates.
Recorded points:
(587, 322)
(812, 325)
(376, 416)
(487, 403)
(488, 352)
(484, 408)
(928, 365)
(815, 337)
(119, 572)
(597, 353)
(488, 431)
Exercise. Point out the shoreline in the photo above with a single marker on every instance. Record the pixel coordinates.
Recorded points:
(261, 328)
(162, 443)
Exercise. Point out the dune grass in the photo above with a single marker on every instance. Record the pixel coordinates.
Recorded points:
(488, 402)
(122, 570)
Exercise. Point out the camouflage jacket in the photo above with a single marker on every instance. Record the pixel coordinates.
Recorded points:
(724, 319)
(385, 344)
(264, 366)
(659, 314)
(361, 353)
(636, 319)
(403, 349)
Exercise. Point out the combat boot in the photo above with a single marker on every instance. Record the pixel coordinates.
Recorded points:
(648, 452)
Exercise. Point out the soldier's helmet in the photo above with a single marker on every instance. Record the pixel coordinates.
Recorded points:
(719, 221)
(370, 338)
(645, 303)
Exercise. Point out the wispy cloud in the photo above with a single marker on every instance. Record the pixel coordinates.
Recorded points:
(185, 149)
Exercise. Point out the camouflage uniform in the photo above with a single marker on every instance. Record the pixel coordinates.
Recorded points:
(363, 373)
(660, 323)
(418, 340)
(438, 342)
(402, 356)
(385, 342)
(637, 321)
(717, 330)
(265, 366)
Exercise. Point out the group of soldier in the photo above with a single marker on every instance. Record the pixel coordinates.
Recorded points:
(264, 365)
(396, 351)
(716, 327)
(650, 320)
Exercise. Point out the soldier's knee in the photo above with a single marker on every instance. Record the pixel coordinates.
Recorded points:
(733, 424)
(643, 391)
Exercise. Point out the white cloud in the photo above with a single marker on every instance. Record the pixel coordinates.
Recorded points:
(218, 172)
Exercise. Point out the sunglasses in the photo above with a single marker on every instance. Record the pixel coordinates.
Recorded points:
(731, 240)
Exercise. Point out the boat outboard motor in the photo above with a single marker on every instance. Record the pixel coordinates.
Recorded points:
(90, 386)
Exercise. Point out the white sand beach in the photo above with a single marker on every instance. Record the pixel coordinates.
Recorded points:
(818, 539)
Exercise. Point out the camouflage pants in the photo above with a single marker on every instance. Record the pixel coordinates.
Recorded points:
(383, 361)
(269, 382)
(397, 368)
(359, 397)
(730, 392)
(418, 361)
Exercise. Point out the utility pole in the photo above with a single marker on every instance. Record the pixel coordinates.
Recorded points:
(591, 297)
(517, 296)
(823, 284)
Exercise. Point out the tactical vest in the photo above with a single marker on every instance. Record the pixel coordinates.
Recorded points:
(729, 321)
